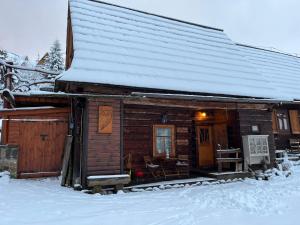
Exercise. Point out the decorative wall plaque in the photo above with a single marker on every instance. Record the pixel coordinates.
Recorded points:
(105, 119)
(182, 130)
(183, 142)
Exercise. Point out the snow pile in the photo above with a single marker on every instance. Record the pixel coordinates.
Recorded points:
(4, 177)
(240, 203)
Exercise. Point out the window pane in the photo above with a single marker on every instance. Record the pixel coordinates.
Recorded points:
(168, 147)
(280, 124)
(204, 135)
(163, 132)
(167, 132)
(285, 124)
(163, 141)
(160, 145)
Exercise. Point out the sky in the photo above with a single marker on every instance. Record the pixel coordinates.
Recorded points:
(29, 27)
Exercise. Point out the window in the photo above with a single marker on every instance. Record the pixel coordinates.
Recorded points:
(204, 136)
(283, 123)
(163, 141)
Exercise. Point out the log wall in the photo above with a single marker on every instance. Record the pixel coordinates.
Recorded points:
(138, 131)
(103, 150)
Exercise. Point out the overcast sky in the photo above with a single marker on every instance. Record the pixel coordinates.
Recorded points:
(29, 27)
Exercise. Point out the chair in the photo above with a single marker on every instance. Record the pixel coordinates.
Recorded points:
(183, 165)
(154, 169)
(128, 163)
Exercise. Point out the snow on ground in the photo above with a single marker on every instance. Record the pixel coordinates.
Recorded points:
(239, 203)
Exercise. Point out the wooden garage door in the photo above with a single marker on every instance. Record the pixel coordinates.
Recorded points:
(41, 148)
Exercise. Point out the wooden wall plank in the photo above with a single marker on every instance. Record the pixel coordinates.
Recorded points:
(103, 154)
(138, 131)
(294, 121)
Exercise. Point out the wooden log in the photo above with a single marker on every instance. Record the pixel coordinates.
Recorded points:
(66, 159)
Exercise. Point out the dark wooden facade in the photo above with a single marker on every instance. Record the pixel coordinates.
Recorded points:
(133, 121)
(138, 131)
(282, 137)
(134, 118)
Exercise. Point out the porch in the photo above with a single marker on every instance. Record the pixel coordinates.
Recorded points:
(167, 143)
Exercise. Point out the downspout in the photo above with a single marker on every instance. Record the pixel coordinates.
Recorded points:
(84, 154)
(121, 136)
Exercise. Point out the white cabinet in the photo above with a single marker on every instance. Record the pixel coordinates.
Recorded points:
(256, 149)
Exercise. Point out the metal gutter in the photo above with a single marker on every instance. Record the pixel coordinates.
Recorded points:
(139, 95)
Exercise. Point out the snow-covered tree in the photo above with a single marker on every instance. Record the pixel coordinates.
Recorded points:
(55, 61)
(3, 54)
(26, 61)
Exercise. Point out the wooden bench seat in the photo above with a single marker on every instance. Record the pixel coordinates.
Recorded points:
(97, 182)
(229, 160)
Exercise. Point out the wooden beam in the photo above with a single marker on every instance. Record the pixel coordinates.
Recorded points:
(32, 111)
(194, 104)
(66, 159)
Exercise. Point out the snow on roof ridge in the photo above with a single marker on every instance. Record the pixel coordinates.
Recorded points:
(269, 49)
(157, 15)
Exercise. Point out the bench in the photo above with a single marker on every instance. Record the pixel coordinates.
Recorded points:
(294, 145)
(97, 182)
(225, 156)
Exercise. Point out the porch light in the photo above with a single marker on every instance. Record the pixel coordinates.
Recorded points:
(201, 115)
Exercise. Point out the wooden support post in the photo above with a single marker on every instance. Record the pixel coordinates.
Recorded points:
(66, 159)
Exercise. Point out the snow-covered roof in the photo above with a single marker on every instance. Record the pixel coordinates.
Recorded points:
(120, 46)
(280, 69)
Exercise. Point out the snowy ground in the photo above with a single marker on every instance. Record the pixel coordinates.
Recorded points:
(247, 202)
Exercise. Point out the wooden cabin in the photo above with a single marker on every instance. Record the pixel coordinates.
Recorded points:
(161, 98)
(154, 90)
(41, 62)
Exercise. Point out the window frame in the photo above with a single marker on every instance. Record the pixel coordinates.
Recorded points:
(173, 150)
(283, 115)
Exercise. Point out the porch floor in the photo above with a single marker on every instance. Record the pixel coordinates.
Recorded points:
(221, 175)
(173, 182)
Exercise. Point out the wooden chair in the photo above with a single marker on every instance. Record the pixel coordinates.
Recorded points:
(154, 169)
(183, 165)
